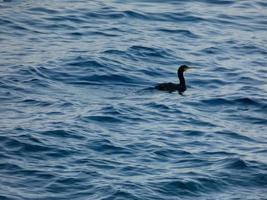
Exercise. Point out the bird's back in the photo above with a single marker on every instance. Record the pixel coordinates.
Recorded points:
(170, 87)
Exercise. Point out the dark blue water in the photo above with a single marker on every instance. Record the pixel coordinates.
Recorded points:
(78, 117)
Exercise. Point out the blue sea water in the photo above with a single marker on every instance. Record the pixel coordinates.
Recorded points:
(79, 118)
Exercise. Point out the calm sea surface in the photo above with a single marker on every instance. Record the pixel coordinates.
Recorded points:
(80, 120)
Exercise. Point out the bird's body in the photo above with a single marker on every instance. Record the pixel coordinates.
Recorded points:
(172, 87)
(169, 87)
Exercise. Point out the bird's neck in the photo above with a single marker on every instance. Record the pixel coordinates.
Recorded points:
(181, 79)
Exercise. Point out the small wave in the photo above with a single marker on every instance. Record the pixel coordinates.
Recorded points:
(114, 51)
(34, 102)
(84, 62)
(193, 133)
(88, 76)
(135, 14)
(158, 106)
(263, 4)
(61, 134)
(179, 187)
(149, 52)
(212, 50)
(24, 147)
(43, 10)
(103, 119)
(10, 166)
(104, 15)
(65, 19)
(237, 164)
(168, 153)
(113, 78)
(250, 49)
(5, 22)
(189, 187)
(220, 2)
(124, 54)
(233, 101)
(106, 146)
(121, 194)
(7, 1)
(183, 32)
(234, 135)
(260, 179)
(246, 101)
(183, 17)
(233, 163)
(101, 33)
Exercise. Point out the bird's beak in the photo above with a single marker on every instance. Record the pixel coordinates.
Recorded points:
(188, 68)
(192, 68)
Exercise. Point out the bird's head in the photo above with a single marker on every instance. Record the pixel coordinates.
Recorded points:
(183, 68)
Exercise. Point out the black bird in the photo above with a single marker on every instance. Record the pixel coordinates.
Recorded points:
(172, 87)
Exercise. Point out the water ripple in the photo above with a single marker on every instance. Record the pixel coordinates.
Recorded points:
(80, 118)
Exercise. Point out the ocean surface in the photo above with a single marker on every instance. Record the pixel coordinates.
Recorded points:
(80, 120)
